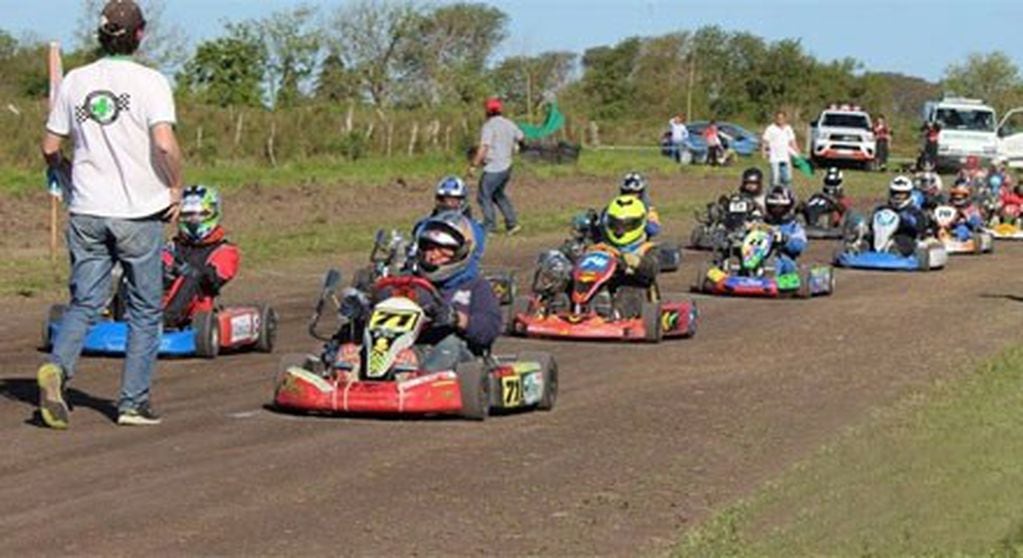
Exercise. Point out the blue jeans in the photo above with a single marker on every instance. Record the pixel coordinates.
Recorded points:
(95, 243)
(491, 191)
(781, 173)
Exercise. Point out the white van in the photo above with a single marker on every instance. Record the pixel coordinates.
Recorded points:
(967, 128)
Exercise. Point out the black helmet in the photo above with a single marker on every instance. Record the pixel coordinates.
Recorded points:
(833, 182)
(752, 181)
(780, 202)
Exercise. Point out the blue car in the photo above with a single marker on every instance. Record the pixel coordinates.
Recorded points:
(739, 139)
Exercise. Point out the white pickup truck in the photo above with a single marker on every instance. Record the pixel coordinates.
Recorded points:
(1010, 138)
(967, 129)
(842, 133)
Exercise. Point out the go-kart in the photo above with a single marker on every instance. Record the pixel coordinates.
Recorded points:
(580, 302)
(371, 365)
(960, 239)
(209, 333)
(720, 219)
(822, 217)
(883, 250)
(1004, 224)
(748, 267)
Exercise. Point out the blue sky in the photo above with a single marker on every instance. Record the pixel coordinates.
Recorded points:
(918, 37)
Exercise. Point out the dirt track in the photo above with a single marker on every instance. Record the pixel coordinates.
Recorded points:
(644, 442)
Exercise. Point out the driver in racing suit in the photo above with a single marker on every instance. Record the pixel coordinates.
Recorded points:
(789, 235)
(466, 320)
(633, 184)
(830, 201)
(199, 261)
(1010, 204)
(968, 219)
(623, 227)
(913, 222)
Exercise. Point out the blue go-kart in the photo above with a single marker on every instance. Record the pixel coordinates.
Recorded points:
(879, 248)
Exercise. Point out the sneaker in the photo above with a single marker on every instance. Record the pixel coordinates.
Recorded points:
(143, 415)
(52, 406)
(514, 230)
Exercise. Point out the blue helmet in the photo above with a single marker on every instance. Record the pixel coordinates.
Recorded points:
(451, 187)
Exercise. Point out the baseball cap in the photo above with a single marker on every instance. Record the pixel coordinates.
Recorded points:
(121, 16)
(493, 104)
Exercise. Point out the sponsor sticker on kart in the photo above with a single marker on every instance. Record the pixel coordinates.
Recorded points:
(532, 388)
(244, 328)
(595, 261)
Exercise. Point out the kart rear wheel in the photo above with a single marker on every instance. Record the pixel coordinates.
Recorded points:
(519, 306)
(207, 334)
(267, 329)
(700, 283)
(670, 257)
(804, 283)
(474, 386)
(651, 315)
(550, 378)
(923, 258)
(53, 315)
(696, 237)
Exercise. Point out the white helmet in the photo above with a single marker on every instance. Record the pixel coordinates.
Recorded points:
(900, 192)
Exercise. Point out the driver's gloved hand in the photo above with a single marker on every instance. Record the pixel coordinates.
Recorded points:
(354, 304)
(443, 315)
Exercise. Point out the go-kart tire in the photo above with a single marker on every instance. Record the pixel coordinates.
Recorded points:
(474, 387)
(519, 306)
(54, 314)
(670, 257)
(207, 334)
(267, 329)
(923, 258)
(550, 378)
(651, 316)
(700, 283)
(804, 283)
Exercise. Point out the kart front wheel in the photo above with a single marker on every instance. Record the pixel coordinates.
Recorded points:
(651, 315)
(207, 334)
(267, 329)
(804, 290)
(474, 387)
(549, 368)
(519, 306)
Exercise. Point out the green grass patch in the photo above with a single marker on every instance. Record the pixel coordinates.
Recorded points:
(940, 474)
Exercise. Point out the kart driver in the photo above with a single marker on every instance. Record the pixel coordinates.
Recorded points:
(789, 235)
(913, 222)
(634, 184)
(467, 320)
(968, 218)
(830, 201)
(199, 261)
(1011, 203)
(623, 227)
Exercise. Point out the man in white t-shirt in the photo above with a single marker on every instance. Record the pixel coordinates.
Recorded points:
(495, 152)
(778, 145)
(125, 181)
(679, 135)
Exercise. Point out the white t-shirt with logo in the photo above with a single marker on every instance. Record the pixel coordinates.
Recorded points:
(679, 132)
(108, 109)
(778, 139)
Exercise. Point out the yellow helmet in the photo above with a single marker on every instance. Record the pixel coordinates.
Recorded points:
(625, 220)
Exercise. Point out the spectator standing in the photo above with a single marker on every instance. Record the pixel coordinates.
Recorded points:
(125, 181)
(931, 133)
(883, 137)
(679, 136)
(778, 145)
(495, 152)
(712, 137)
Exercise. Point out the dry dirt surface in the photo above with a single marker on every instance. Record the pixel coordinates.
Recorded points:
(645, 440)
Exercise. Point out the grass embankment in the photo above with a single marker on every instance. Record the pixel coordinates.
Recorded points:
(940, 474)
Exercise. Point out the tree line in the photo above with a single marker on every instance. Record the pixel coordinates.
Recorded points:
(397, 76)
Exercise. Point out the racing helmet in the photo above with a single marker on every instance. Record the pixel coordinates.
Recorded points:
(995, 181)
(833, 182)
(633, 184)
(928, 165)
(625, 220)
(553, 272)
(200, 212)
(900, 192)
(752, 181)
(959, 194)
(780, 203)
(451, 187)
(450, 230)
(928, 181)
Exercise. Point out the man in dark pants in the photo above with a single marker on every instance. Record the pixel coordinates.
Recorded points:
(125, 179)
(497, 145)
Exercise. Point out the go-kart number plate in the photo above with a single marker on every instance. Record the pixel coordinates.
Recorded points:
(595, 261)
(399, 322)
(738, 206)
(511, 391)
